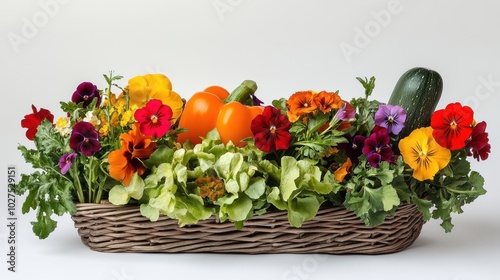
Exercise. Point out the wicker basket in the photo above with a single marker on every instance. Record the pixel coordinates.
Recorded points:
(109, 228)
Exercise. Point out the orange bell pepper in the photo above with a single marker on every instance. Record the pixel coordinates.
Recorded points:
(216, 108)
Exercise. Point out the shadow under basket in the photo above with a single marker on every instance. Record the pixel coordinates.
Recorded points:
(109, 228)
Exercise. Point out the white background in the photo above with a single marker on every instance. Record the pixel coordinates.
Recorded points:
(48, 47)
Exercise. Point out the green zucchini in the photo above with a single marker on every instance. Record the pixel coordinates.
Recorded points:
(418, 91)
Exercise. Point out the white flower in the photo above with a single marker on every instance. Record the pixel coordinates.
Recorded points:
(91, 118)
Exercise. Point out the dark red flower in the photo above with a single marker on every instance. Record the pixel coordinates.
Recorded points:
(154, 118)
(377, 148)
(86, 92)
(452, 126)
(271, 130)
(479, 142)
(354, 148)
(32, 121)
(84, 139)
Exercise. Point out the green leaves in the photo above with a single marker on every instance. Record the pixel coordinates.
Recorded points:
(120, 195)
(48, 194)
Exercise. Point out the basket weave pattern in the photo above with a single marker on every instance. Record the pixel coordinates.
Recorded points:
(335, 230)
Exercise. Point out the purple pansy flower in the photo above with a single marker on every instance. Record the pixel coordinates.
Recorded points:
(86, 92)
(354, 147)
(66, 161)
(391, 117)
(84, 139)
(377, 148)
(346, 112)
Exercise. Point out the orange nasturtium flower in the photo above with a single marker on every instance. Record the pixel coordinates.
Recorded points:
(142, 89)
(423, 154)
(300, 103)
(123, 163)
(327, 101)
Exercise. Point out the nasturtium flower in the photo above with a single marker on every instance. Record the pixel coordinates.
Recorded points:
(342, 171)
(300, 103)
(84, 139)
(423, 154)
(346, 112)
(154, 118)
(135, 147)
(86, 92)
(377, 149)
(211, 187)
(66, 161)
(478, 142)
(391, 117)
(271, 130)
(452, 126)
(327, 101)
(33, 120)
(142, 89)
(354, 147)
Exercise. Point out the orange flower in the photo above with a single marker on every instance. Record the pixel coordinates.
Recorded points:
(340, 173)
(210, 187)
(123, 163)
(327, 101)
(300, 103)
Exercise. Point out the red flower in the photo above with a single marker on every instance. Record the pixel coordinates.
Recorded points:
(271, 130)
(154, 118)
(377, 148)
(479, 142)
(32, 121)
(452, 126)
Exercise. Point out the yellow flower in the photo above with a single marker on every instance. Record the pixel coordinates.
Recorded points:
(63, 126)
(423, 154)
(154, 86)
(127, 117)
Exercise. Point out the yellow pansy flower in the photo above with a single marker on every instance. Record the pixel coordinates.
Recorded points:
(154, 86)
(423, 154)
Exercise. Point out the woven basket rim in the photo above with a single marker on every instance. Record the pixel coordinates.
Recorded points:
(106, 227)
